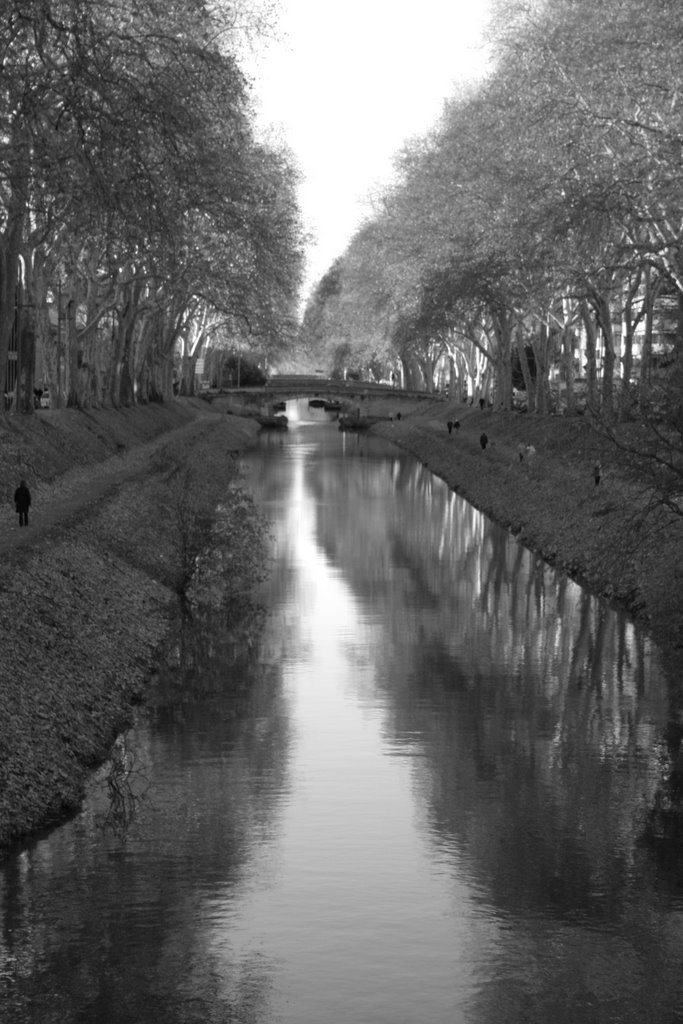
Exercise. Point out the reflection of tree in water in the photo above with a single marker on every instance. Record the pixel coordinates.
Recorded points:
(214, 653)
(537, 771)
(536, 704)
(126, 787)
(554, 742)
(579, 690)
(562, 696)
(664, 823)
(214, 649)
(217, 760)
(207, 996)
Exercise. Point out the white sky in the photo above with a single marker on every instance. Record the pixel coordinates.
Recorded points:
(348, 84)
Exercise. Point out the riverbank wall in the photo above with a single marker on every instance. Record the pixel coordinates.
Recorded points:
(596, 533)
(86, 603)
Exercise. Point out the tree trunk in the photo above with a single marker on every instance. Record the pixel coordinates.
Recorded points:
(604, 319)
(26, 362)
(118, 356)
(568, 349)
(544, 351)
(411, 373)
(525, 368)
(651, 292)
(591, 366)
(7, 287)
(631, 321)
(427, 364)
(26, 343)
(73, 397)
(121, 388)
(126, 385)
(15, 188)
(9, 283)
(502, 324)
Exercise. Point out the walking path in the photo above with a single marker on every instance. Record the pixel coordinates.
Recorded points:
(60, 505)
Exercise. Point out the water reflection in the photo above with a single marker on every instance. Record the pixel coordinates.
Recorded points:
(415, 791)
(103, 927)
(534, 717)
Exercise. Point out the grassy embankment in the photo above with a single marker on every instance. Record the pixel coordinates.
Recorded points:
(594, 533)
(85, 602)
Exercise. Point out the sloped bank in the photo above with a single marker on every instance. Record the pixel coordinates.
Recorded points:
(594, 533)
(83, 613)
(50, 443)
(80, 629)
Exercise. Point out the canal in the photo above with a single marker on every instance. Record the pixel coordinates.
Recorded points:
(425, 795)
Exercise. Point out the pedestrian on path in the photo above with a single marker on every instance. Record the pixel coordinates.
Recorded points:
(597, 472)
(483, 441)
(22, 502)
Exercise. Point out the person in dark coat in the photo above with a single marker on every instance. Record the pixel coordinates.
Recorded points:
(483, 441)
(22, 502)
(450, 426)
(597, 472)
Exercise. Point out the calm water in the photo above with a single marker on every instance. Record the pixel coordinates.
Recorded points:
(422, 799)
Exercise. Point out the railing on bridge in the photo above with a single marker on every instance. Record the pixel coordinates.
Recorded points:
(302, 384)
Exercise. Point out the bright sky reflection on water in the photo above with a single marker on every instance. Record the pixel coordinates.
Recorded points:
(368, 920)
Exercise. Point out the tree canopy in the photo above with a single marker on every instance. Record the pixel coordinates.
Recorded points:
(138, 209)
(538, 225)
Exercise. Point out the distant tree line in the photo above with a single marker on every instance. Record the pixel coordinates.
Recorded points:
(535, 237)
(140, 215)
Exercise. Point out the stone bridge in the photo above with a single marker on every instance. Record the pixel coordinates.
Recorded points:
(282, 387)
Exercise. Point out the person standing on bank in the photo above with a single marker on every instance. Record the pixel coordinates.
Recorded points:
(22, 502)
